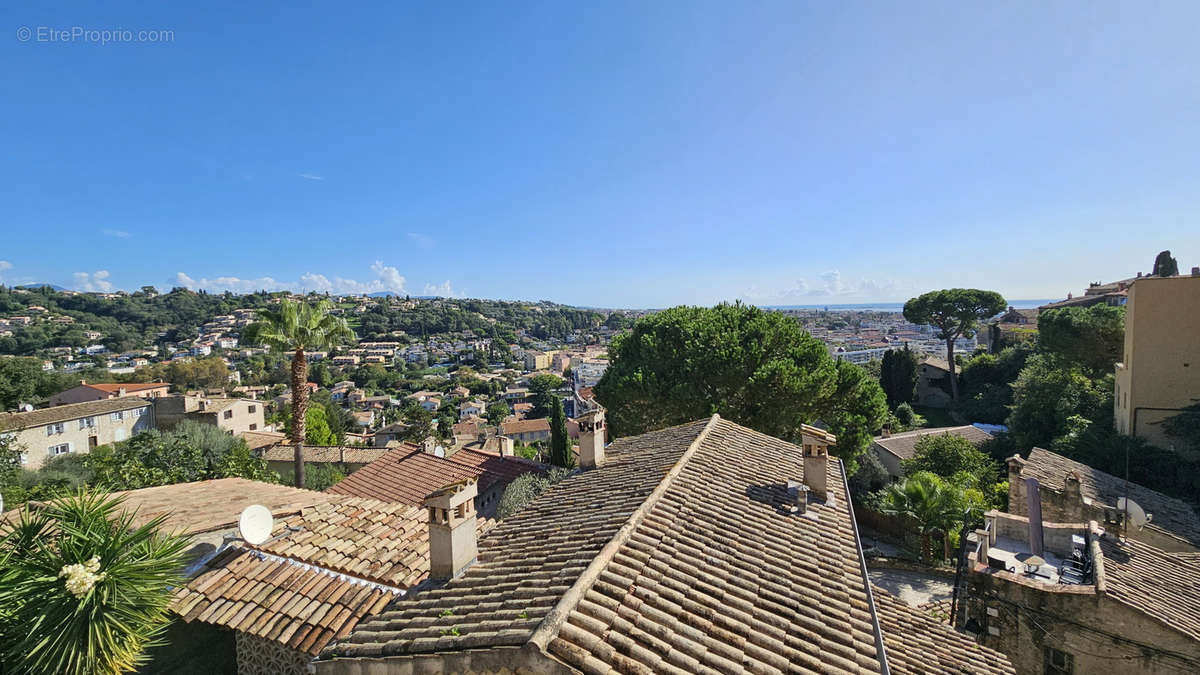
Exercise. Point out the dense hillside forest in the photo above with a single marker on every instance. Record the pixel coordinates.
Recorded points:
(127, 321)
(146, 318)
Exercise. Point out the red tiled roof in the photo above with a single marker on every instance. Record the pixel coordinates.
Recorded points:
(525, 426)
(407, 475)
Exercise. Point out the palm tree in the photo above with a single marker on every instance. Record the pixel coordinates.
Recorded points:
(82, 589)
(295, 327)
(934, 504)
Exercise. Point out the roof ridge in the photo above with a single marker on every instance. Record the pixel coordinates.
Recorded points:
(570, 599)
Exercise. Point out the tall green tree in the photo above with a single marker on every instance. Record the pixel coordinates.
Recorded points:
(1165, 265)
(296, 327)
(83, 588)
(1090, 338)
(1051, 401)
(754, 367)
(496, 412)
(541, 394)
(947, 455)
(898, 376)
(955, 312)
(560, 447)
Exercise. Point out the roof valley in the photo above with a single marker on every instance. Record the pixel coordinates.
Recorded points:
(570, 599)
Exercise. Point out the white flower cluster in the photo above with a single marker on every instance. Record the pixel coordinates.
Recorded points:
(82, 576)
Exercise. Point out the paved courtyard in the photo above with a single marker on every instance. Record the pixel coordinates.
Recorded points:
(914, 588)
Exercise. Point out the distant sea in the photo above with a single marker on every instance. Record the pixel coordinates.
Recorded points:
(896, 307)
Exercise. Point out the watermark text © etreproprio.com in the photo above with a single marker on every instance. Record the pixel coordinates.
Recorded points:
(99, 36)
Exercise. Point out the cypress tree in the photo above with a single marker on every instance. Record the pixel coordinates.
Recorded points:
(560, 452)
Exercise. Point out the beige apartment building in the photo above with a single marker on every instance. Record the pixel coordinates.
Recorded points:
(235, 415)
(1160, 371)
(76, 427)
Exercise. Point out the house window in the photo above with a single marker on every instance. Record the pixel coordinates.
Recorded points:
(24, 458)
(228, 414)
(252, 409)
(60, 449)
(58, 428)
(87, 423)
(118, 416)
(1058, 663)
(253, 427)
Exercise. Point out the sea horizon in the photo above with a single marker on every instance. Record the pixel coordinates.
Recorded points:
(895, 307)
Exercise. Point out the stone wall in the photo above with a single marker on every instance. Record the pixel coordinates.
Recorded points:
(257, 656)
(1023, 618)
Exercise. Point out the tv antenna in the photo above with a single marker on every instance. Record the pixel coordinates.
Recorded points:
(255, 524)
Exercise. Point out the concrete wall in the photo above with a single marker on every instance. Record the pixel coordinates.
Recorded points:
(1160, 373)
(106, 429)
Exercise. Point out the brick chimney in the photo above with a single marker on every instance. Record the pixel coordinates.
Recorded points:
(506, 446)
(1071, 488)
(452, 545)
(591, 439)
(816, 468)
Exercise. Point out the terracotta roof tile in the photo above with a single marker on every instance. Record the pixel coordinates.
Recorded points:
(1163, 585)
(678, 555)
(208, 505)
(406, 474)
(72, 411)
(916, 642)
(1170, 515)
(292, 589)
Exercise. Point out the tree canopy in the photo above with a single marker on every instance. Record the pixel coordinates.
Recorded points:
(898, 376)
(1090, 338)
(955, 312)
(1165, 265)
(754, 367)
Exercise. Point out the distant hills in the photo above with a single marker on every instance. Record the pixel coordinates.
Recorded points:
(32, 287)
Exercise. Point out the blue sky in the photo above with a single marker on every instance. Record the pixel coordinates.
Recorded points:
(636, 154)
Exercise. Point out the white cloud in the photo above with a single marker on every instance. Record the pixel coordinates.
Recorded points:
(829, 284)
(120, 234)
(310, 176)
(442, 290)
(316, 282)
(96, 282)
(421, 240)
(5, 265)
(385, 278)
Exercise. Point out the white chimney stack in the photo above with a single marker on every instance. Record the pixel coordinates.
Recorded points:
(506, 446)
(816, 468)
(591, 439)
(452, 520)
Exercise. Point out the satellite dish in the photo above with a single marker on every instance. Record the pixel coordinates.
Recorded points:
(1137, 517)
(256, 524)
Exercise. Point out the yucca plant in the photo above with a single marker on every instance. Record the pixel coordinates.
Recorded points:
(295, 327)
(82, 589)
